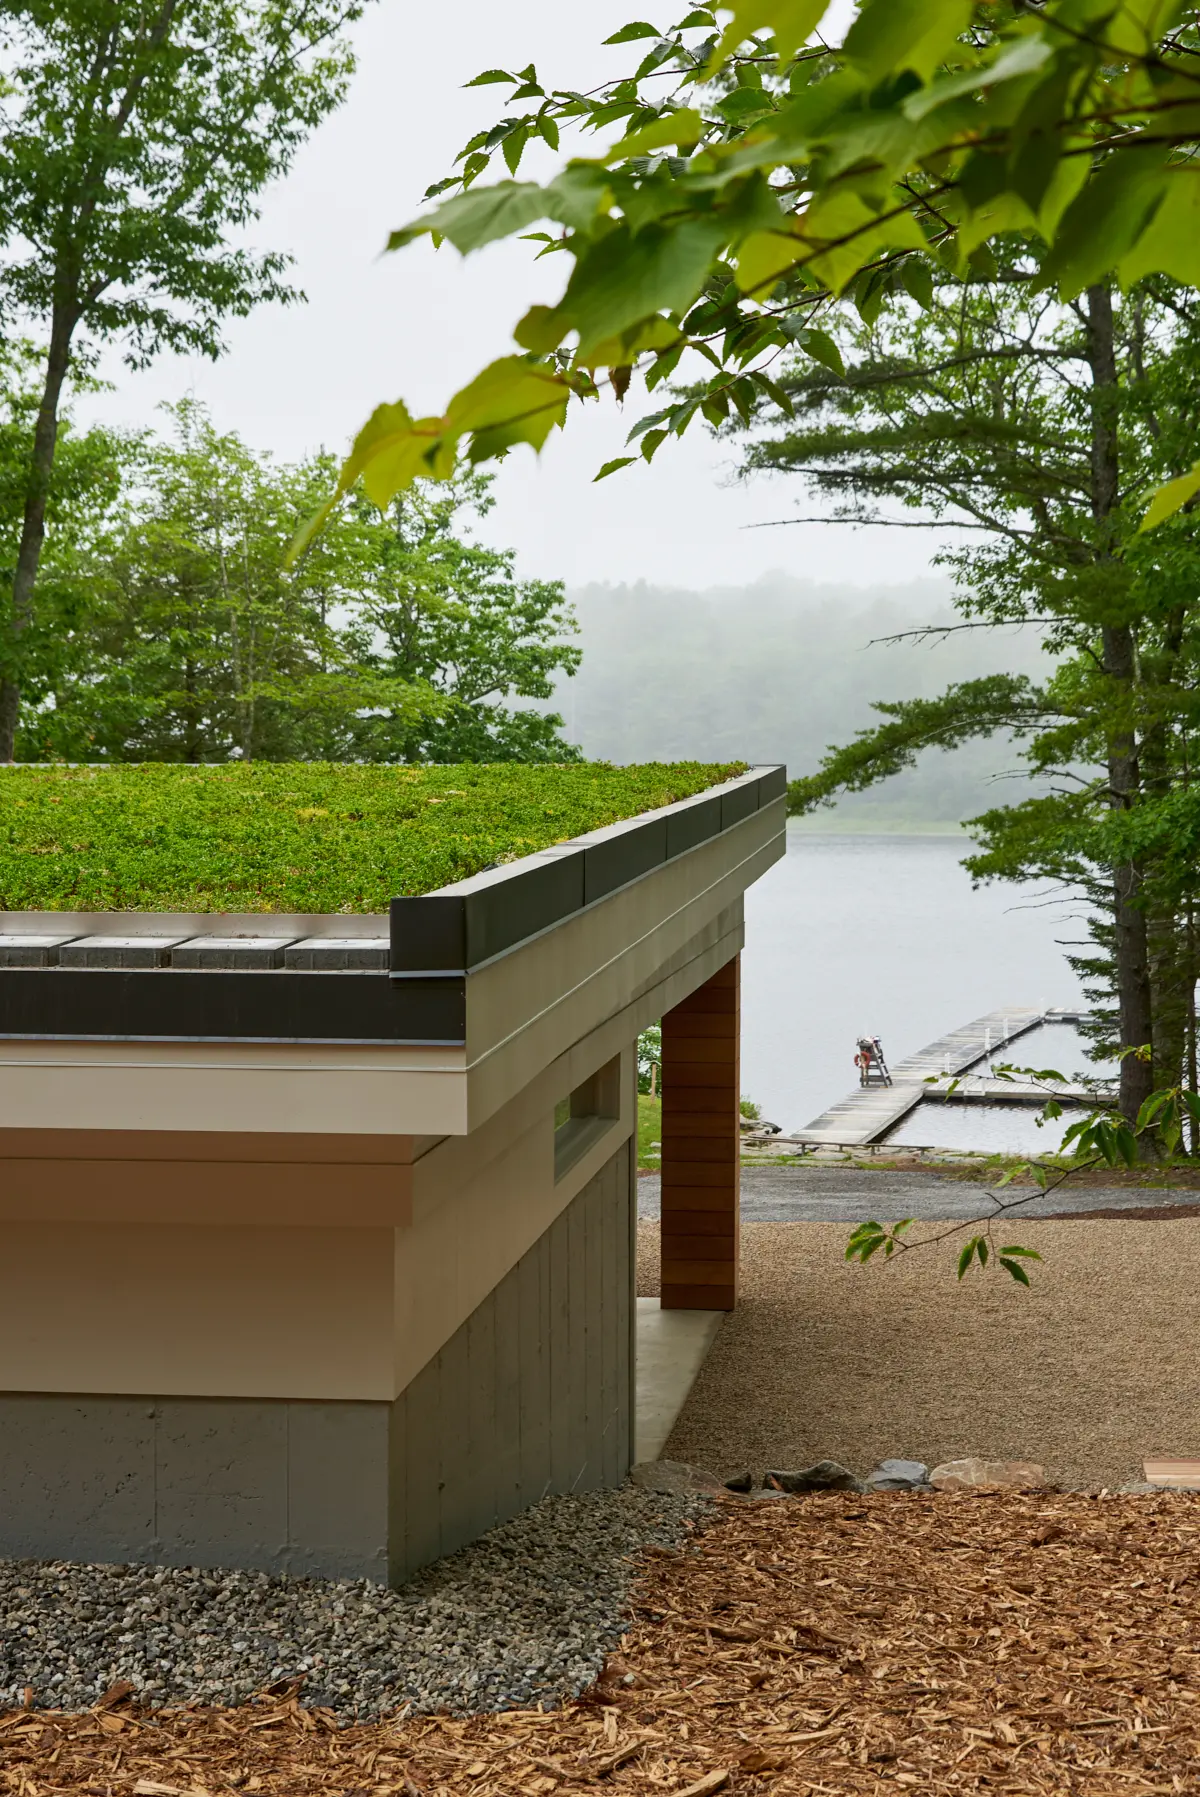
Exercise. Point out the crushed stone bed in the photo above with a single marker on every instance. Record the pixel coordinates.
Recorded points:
(523, 1616)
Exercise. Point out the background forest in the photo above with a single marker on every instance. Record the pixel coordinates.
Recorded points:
(780, 669)
(169, 629)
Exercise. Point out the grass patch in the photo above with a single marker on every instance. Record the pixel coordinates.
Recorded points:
(297, 836)
(649, 1133)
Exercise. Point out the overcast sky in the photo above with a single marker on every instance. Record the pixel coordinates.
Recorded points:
(418, 324)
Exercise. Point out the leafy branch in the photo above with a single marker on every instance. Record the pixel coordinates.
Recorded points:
(780, 175)
(1100, 1139)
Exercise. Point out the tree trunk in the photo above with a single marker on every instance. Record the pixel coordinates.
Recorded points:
(1193, 1136)
(1169, 937)
(1132, 967)
(1130, 949)
(1171, 969)
(33, 528)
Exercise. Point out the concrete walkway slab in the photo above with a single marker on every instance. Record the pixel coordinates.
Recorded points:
(672, 1346)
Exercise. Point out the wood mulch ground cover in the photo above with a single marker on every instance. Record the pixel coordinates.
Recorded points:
(832, 1644)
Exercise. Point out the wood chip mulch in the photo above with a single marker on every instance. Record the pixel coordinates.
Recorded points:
(833, 1644)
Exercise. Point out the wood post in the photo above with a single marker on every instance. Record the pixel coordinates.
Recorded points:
(701, 1146)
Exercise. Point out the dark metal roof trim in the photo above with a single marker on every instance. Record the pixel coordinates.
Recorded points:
(478, 919)
(437, 939)
(111, 1003)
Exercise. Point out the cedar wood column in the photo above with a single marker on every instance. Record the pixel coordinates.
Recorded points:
(701, 1146)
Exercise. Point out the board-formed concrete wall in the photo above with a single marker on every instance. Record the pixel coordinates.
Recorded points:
(532, 1394)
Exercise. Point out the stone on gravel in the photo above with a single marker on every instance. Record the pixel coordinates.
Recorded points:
(674, 1478)
(973, 1473)
(826, 1475)
(522, 1617)
(740, 1482)
(899, 1475)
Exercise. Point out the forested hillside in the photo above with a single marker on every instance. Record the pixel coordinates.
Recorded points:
(776, 671)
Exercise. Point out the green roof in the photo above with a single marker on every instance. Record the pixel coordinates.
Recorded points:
(298, 836)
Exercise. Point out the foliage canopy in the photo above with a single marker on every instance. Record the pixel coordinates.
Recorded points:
(180, 637)
(135, 140)
(759, 174)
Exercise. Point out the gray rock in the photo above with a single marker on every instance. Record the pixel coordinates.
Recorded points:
(974, 1473)
(899, 1475)
(826, 1475)
(674, 1478)
(740, 1482)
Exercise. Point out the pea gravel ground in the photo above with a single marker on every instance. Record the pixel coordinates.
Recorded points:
(1088, 1372)
(523, 1616)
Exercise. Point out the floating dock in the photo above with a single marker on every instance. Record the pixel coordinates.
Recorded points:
(869, 1112)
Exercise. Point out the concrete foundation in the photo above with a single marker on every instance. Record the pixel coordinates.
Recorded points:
(532, 1394)
(277, 1486)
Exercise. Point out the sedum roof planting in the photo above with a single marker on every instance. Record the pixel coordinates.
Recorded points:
(298, 836)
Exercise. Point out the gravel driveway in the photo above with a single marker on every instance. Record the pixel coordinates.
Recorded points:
(814, 1194)
(1088, 1372)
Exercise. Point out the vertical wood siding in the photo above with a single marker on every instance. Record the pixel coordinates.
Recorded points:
(701, 1145)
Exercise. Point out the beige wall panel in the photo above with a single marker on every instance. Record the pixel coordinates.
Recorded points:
(256, 1088)
(210, 1145)
(211, 1194)
(151, 1176)
(478, 1205)
(522, 1060)
(262, 1313)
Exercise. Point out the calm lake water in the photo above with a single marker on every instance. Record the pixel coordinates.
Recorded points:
(883, 935)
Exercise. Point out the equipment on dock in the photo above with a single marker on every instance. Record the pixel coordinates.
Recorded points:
(872, 1068)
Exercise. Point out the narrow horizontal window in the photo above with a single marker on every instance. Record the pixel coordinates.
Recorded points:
(586, 1115)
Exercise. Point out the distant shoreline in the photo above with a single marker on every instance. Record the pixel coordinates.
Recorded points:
(856, 824)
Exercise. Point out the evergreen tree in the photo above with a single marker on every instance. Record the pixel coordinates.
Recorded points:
(1040, 429)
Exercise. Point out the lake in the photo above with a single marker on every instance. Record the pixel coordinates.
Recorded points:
(884, 935)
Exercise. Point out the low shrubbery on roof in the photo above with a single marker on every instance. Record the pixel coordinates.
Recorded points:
(297, 836)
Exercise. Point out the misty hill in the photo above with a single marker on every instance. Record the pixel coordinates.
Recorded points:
(778, 670)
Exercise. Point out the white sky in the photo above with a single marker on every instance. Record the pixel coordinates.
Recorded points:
(416, 325)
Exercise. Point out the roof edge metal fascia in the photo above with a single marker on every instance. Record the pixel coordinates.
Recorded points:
(439, 939)
(468, 925)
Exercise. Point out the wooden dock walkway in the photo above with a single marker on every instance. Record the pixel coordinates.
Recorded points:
(869, 1112)
(976, 1088)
